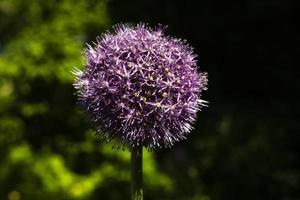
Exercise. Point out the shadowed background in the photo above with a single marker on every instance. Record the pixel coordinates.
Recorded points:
(244, 146)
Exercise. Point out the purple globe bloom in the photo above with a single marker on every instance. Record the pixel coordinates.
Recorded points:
(141, 87)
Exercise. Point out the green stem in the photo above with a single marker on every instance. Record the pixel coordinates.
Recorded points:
(137, 173)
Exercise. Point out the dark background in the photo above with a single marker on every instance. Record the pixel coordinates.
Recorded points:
(245, 144)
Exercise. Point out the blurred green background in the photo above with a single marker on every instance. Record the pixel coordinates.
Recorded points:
(245, 145)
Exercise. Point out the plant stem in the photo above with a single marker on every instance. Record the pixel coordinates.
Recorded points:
(137, 173)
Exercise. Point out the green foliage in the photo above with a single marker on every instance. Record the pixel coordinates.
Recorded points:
(49, 150)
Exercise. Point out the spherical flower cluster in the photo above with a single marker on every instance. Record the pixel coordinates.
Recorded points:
(140, 87)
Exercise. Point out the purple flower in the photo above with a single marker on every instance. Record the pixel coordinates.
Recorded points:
(141, 87)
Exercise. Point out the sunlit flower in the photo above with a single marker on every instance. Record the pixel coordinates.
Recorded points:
(141, 87)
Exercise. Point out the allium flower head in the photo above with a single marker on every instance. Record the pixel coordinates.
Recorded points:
(141, 87)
